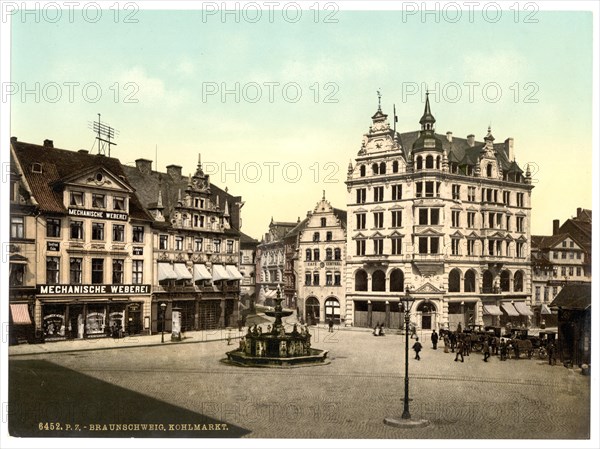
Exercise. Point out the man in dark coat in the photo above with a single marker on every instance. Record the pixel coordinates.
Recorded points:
(459, 350)
(417, 347)
(434, 339)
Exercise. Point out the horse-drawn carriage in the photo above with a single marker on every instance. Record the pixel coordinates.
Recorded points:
(523, 343)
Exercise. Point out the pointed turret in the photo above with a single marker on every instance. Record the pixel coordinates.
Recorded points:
(226, 213)
(427, 120)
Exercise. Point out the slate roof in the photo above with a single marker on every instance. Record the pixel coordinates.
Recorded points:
(147, 185)
(296, 229)
(58, 164)
(547, 241)
(459, 151)
(342, 215)
(574, 296)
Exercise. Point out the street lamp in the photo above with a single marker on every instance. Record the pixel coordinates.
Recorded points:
(406, 420)
(163, 308)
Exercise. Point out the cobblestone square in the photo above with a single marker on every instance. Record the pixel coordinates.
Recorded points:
(348, 398)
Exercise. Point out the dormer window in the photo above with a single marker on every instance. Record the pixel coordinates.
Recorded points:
(98, 200)
(36, 167)
(489, 170)
(76, 199)
(118, 203)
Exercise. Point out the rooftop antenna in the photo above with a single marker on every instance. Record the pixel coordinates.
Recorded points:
(105, 134)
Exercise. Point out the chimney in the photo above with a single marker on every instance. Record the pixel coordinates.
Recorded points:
(13, 139)
(555, 227)
(48, 143)
(83, 151)
(509, 148)
(174, 171)
(471, 140)
(449, 136)
(579, 212)
(144, 165)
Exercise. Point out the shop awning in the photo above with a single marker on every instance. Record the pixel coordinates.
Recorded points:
(165, 272)
(545, 310)
(233, 272)
(523, 309)
(509, 309)
(201, 273)
(491, 309)
(219, 273)
(20, 314)
(183, 274)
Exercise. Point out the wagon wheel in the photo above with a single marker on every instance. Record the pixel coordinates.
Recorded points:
(477, 346)
(542, 353)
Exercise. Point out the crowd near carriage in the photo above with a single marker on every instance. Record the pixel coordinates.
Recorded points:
(519, 342)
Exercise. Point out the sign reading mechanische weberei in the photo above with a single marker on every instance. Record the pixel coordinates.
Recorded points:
(93, 289)
(101, 214)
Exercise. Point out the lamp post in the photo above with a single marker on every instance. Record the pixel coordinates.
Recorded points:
(163, 308)
(406, 419)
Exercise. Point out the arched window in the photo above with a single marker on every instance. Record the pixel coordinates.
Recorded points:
(419, 162)
(489, 170)
(396, 280)
(308, 254)
(375, 169)
(328, 254)
(316, 255)
(360, 281)
(378, 279)
(469, 282)
(316, 278)
(429, 162)
(395, 167)
(488, 281)
(363, 171)
(337, 254)
(505, 281)
(454, 280)
(313, 309)
(382, 168)
(518, 281)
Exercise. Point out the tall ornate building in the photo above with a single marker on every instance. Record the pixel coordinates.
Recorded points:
(196, 246)
(444, 216)
(321, 265)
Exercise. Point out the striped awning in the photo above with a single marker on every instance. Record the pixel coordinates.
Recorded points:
(491, 309)
(165, 272)
(219, 273)
(233, 272)
(509, 309)
(545, 310)
(20, 314)
(523, 309)
(183, 274)
(201, 273)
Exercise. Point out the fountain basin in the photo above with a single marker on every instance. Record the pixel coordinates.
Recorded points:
(314, 357)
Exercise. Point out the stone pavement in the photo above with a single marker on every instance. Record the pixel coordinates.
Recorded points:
(348, 398)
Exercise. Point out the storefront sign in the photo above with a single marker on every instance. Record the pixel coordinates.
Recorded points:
(95, 289)
(138, 251)
(52, 246)
(101, 214)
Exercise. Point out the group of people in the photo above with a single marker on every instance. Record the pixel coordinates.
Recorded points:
(378, 330)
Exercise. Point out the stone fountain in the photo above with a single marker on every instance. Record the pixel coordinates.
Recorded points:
(276, 347)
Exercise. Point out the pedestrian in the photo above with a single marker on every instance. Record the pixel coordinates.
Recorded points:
(503, 350)
(434, 339)
(486, 350)
(467, 345)
(381, 334)
(550, 350)
(459, 351)
(459, 328)
(494, 345)
(330, 324)
(446, 344)
(417, 347)
(413, 331)
(376, 329)
(452, 341)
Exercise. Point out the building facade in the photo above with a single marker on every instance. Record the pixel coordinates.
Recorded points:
(321, 265)
(271, 261)
(558, 260)
(447, 218)
(92, 265)
(195, 246)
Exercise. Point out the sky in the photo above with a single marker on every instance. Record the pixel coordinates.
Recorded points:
(277, 107)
